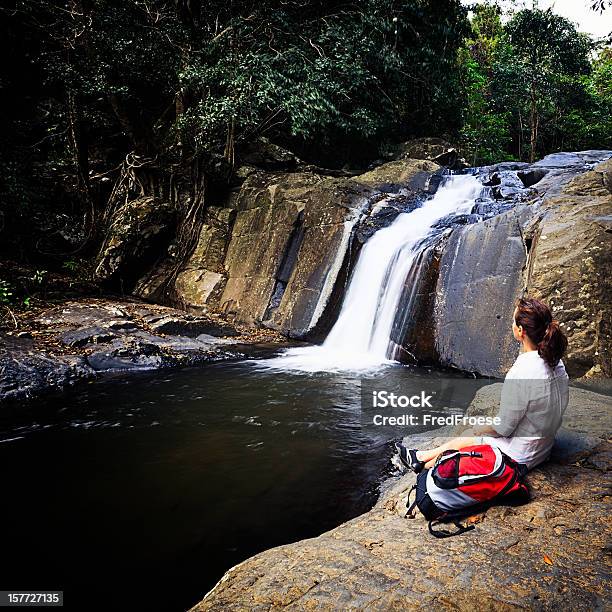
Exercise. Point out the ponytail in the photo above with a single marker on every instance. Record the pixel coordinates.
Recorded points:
(536, 319)
(553, 345)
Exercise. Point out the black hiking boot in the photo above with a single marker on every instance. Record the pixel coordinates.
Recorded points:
(408, 456)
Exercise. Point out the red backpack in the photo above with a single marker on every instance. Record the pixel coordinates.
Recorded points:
(465, 482)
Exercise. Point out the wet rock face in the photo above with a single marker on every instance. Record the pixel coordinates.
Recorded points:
(382, 561)
(412, 335)
(479, 280)
(277, 254)
(383, 213)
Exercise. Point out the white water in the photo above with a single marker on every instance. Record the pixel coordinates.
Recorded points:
(360, 338)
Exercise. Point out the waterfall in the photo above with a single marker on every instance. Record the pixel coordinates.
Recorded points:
(360, 338)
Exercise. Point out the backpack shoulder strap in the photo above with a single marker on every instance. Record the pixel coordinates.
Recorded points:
(443, 533)
(410, 506)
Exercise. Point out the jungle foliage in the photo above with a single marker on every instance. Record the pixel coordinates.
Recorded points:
(533, 85)
(92, 87)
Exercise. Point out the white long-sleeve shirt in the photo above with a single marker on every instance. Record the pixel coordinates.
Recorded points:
(533, 400)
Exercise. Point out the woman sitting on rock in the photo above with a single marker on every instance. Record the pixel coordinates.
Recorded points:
(534, 396)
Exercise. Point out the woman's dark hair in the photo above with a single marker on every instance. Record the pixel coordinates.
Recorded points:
(536, 319)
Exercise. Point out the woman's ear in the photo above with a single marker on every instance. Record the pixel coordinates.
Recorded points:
(519, 334)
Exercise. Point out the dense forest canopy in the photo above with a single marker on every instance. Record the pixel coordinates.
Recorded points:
(93, 87)
(532, 85)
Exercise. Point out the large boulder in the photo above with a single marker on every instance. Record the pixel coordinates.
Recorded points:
(480, 277)
(570, 267)
(433, 149)
(278, 253)
(137, 234)
(262, 153)
(549, 553)
(406, 174)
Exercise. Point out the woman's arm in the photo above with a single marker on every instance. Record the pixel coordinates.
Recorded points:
(512, 408)
(513, 405)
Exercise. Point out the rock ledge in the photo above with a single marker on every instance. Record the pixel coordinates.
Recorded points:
(83, 339)
(550, 553)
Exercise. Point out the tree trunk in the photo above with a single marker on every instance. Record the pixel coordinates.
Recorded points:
(533, 123)
(78, 145)
(138, 134)
(230, 142)
(520, 136)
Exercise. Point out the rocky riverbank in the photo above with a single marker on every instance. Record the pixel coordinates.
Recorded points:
(550, 553)
(269, 262)
(83, 339)
(278, 250)
(275, 258)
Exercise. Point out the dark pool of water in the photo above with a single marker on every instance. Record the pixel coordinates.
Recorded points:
(140, 492)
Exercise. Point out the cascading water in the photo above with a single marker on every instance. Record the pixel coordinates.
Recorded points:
(360, 339)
